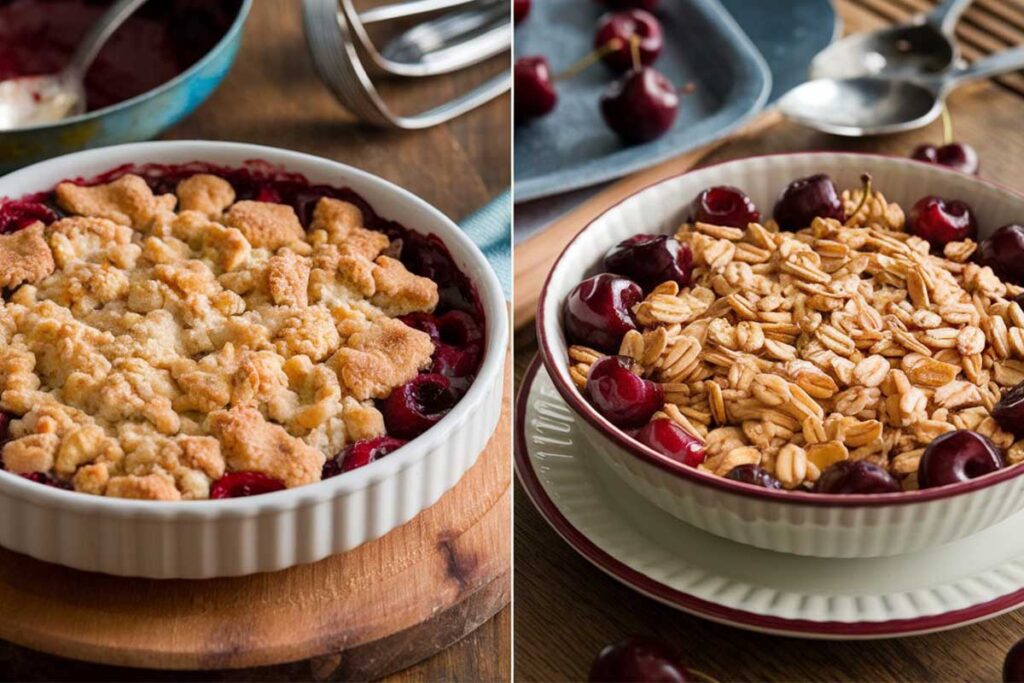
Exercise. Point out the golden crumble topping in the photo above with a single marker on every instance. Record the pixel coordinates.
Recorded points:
(149, 345)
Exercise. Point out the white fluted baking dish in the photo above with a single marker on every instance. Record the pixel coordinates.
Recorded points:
(204, 539)
(786, 521)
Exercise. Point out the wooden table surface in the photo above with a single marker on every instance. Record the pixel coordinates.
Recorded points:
(274, 97)
(566, 610)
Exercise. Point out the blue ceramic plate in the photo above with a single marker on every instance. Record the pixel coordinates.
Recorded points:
(573, 148)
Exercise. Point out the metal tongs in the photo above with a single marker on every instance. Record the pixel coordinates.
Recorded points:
(471, 32)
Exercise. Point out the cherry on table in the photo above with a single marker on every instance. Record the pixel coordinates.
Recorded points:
(955, 457)
(724, 205)
(622, 396)
(754, 475)
(956, 155)
(1009, 411)
(650, 260)
(520, 10)
(638, 660)
(599, 311)
(856, 476)
(1003, 251)
(616, 32)
(940, 221)
(640, 106)
(244, 484)
(534, 87)
(808, 198)
(668, 438)
(1013, 665)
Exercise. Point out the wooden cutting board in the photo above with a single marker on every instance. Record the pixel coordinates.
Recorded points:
(362, 615)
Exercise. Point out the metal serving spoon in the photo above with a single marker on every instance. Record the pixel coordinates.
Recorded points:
(925, 46)
(39, 100)
(869, 105)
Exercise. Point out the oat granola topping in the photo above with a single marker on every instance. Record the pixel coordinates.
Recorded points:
(147, 352)
(841, 341)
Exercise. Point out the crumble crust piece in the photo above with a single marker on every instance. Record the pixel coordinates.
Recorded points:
(145, 353)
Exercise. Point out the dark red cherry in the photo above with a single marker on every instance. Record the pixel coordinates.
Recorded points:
(649, 5)
(650, 260)
(520, 10)
(808, 198)
(459, 328)
(1013, 665)
(1009, 411)
(47, 480)
(418, 405)
(668, 438)
(621, 27)
(941, 221)
(754, 475)
(244, 484)
(638, 660)
(535, 93)
(622, 396)
(724, 205)
(361, 453)
(5, 427)
(452, 361)
(955, 155)
(957, 456)
(424, 322)
(17, 215)
(640, 106)
(599, 311)
(1003, 251)
(856, 476)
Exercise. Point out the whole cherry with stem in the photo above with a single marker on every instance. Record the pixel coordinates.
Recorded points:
(616, 32)
(642, 105)
(955, 155)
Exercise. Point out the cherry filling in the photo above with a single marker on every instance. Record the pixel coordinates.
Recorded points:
(17, 215)
(244, 484)
(418, 405)
(361, 453)
(5, 427)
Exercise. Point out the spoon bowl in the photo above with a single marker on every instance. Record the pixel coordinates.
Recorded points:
(897, 52)
(39, 100)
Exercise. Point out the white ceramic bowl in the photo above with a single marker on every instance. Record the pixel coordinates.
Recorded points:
(785, 521)
(204, 539)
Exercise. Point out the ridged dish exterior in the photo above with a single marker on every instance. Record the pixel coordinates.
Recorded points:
(793, 527)
(206, 539)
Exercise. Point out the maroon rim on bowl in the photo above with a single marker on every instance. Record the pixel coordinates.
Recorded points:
(710, 610)
(651, 457)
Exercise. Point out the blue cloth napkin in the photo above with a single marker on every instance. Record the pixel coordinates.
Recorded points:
(490, 228)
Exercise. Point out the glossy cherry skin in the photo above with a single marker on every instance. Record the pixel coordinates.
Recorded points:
(520, 10)
(955, 155)
(1013, 665)
(754, 475)
(244, 484)
(15, 215)
(418, 405)
(640, 106)
(856, 476)
(724, 205)
(650, 260)
(1003, 251)
(360, 454)
(622, 396)
(808, 198)
(638, 660)
(1009, 411)
(599, 311)
(668, 438)
(535, 93)
(621, 27)
(941, 221)
(955, 457)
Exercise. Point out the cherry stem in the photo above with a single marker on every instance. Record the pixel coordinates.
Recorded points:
(701, 676)
(865, 178)
(947, 125)
(594, 56)
(634, 51)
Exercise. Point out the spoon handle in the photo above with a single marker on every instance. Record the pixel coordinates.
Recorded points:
(946, 14)
(1004, 62)
(98, 34)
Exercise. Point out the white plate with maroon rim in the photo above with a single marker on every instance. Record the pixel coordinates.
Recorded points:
(635, 542)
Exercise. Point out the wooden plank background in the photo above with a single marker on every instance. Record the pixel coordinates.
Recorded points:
(567, 610)
(274, 97)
